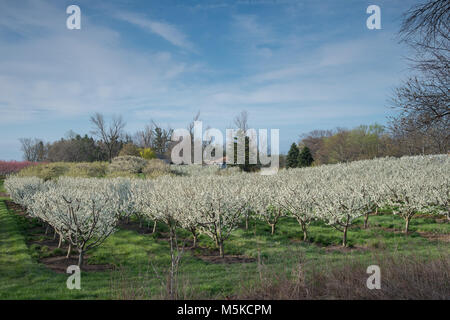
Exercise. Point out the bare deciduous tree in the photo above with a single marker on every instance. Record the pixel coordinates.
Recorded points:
(423, 100)
(144, 138)
(426, 25)
(190, 127)
(33, 149)
(241, 121)
(111, 134)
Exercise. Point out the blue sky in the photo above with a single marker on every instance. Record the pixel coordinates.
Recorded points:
(293, 65)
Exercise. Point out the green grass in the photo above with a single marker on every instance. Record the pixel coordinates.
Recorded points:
(2, 189)
(138, 256)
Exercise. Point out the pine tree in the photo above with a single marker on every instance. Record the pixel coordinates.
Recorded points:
(305, 158)
(292, 157)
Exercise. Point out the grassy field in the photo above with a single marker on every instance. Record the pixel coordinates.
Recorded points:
(138, 262)
(2, 190)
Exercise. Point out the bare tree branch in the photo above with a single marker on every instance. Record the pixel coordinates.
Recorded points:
(111, 134)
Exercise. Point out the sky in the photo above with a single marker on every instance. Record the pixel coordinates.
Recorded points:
(293, 65)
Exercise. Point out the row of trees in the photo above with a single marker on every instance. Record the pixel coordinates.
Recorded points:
(374, 141)
(108, 141)
(86, 211)
(10, 167)
(360, 143)
(320, 146)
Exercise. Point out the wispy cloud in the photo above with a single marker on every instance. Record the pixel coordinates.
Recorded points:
(25, 16)
(167, 31)
(254, 37)
(54, 72)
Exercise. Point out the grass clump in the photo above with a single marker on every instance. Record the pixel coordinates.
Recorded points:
(403, 277)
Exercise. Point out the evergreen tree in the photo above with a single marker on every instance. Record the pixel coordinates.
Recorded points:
(246, 166)
(305, 158)
(292, 157)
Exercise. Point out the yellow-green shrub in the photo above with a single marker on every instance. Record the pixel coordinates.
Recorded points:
(147, 153)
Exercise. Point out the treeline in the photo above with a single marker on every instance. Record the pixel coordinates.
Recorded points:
(368, 142)
(318, 146)
(108, 141)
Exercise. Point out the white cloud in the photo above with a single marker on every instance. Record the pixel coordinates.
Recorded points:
(52, 71)
(23, 17)
(167, 31)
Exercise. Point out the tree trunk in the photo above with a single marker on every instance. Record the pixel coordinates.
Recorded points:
(246, 222)
(222, 255)
(154, 227)
(273, 228)
(68, 251)
(60, 241)
(366, 220)
(304, 229)
(194, 245)
(81, 258)
(344, 239)
(407, 219)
